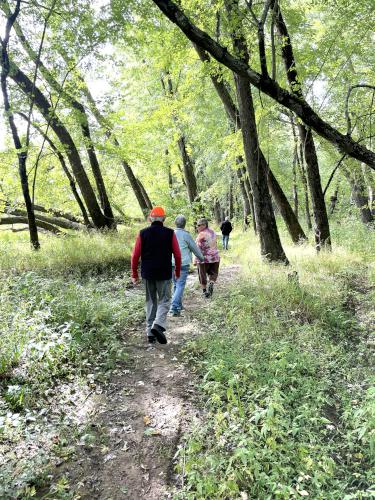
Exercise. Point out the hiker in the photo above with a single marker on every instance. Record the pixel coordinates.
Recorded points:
(209, 269)
(226, 229)
(187, 247)
(155, 246)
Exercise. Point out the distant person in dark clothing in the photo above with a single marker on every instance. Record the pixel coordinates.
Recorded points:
(226, 229)
(155, 246)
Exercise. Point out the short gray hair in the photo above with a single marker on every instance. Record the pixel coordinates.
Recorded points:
(157, 219)
(180, 221)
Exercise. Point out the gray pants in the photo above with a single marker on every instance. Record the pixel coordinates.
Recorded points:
(158, 299)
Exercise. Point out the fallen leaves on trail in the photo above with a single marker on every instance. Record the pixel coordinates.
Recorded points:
(146, 420)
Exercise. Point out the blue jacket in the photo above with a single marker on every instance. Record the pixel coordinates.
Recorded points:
(187, 245)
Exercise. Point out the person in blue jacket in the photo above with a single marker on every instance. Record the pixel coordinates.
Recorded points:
(187, 247)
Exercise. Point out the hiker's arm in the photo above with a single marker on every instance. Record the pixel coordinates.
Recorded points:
(177, 256)
(195, 249)
(136, 254)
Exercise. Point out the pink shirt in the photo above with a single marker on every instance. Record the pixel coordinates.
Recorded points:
(206, 241)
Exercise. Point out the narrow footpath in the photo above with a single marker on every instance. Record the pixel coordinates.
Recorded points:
(139, 420)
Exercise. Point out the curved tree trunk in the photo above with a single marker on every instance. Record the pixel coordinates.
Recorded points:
(98, 218)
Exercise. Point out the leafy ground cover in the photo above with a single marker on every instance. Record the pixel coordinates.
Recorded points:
(287, 380)
(61, 313)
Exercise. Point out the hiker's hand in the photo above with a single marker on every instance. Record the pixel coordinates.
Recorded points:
(135, 281)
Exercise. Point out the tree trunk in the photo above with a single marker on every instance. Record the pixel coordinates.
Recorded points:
(55, 221)
(103, 196)
(302, 171)
(135, 186)
(322, 233)
(144, 194)
(21, 155)
(217, 212)
(295, 190)
(249, 195)
(270, 242)
(333, 200)
(189, 175)
(359, 193)
(66, 171)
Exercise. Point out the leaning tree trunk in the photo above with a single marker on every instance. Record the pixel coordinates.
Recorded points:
(25, 220)
(98, 218)
(55, 221)
(135, 186)
(82, 121)
(322, 233)
(145, 195)
(72, 182)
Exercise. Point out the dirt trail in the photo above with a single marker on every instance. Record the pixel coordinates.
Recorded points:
(137, 422)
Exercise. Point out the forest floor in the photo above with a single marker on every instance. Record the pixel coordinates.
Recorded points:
(136, 423)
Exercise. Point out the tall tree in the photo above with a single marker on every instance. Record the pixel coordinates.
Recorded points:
(290, 218)
(322, 233)
(270, 243)
(21, 152)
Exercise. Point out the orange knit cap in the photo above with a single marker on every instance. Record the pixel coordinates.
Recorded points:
(157, 212)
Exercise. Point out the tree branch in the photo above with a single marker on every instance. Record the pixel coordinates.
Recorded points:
(268, 86)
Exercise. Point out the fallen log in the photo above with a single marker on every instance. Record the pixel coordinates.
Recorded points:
(24, 220)
(55, 221)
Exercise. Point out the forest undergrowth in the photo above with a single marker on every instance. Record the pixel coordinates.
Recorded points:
(61, 314)
(287, 370)
(285, 364)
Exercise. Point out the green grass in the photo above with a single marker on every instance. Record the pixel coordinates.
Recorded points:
(287, 380)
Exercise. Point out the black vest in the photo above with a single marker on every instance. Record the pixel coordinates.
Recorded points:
(156, 252)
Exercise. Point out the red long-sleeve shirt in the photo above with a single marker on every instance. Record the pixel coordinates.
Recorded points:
(136, 254)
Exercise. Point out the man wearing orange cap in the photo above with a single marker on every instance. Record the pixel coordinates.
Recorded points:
(154, 246)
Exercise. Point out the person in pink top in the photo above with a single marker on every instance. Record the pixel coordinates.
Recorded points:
(208, 270)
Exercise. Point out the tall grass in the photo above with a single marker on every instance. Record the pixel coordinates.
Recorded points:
(70, 252)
